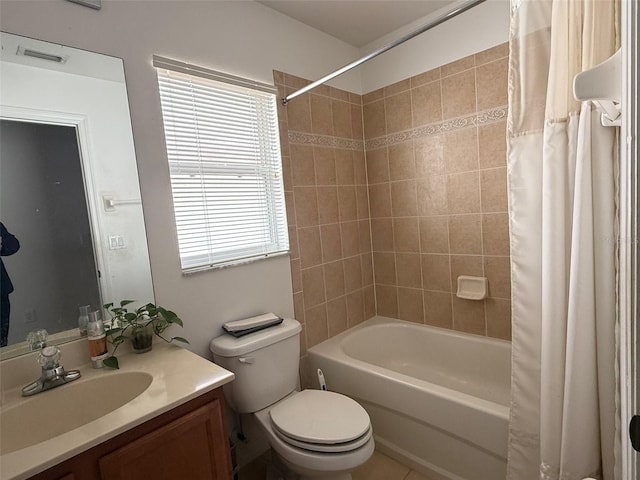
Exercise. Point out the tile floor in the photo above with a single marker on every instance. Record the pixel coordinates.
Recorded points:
(379, 467)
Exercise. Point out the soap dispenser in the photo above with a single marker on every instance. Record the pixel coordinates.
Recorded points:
(97, 339)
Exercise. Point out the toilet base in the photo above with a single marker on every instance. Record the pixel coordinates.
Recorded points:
(278, 470)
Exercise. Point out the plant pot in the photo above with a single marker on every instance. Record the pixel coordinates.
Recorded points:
(142, 338)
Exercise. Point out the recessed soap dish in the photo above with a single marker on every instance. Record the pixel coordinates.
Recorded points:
(472, 288)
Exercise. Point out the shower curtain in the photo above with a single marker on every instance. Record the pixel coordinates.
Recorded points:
(561, 180)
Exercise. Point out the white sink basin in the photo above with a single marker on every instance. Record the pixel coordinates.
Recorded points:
(65, 408)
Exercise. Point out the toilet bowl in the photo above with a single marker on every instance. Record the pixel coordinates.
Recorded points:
(316, 434)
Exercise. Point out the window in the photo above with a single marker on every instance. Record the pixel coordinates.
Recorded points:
(223, 147)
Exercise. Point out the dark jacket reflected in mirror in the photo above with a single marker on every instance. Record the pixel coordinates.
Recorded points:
(9, 246)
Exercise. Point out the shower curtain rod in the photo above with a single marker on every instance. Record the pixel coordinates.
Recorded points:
(441, 19)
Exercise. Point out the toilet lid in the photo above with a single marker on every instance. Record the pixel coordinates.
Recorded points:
(315, 416)
(326, 447)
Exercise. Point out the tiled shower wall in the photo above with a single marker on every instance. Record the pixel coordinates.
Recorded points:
(426, 205)
(435, 152)
(328, 210)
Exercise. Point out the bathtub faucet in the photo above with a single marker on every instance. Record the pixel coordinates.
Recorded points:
(53, 374)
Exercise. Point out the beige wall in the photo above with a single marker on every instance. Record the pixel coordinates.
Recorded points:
(436, 164)
(328, 210)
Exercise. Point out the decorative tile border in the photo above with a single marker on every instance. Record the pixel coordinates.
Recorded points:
(301, 138)
(481, 118)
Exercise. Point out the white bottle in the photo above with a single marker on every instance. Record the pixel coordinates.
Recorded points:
(97, 339)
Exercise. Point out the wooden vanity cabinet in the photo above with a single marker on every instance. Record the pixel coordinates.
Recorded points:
(188, 442)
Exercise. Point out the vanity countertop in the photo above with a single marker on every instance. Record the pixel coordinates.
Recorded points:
(178, 376)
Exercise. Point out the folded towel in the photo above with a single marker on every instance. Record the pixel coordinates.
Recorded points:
(238, 328)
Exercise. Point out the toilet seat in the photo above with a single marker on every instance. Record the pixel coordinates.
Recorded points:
(321, 421)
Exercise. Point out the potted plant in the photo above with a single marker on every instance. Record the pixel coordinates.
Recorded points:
(138, 326)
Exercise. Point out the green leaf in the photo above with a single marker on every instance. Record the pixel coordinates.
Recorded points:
(113, 331)
(126, 302)
(180, 339)
(130, 316)
(111, 362)
(178, 321)
(107, 306)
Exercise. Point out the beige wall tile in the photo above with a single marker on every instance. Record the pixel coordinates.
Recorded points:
(355, 308)
(299, 114)
(306, 204)
(429, 156)
(296, 276)
(359, 167)
(384, 268)
(341, 112)
(465, 265)
(310, 249)
(290, 204)
(404, 199)
(398, 112)
(362, 202)
(410, 305)
(397, 87)
(493, 190)
(344, 167)
(408, 267)
(434, 234)
(313, 286)
(380, 200)
(321, 118)
(364, 236)
(287, 175)
(334, 279)
(465, 234)
(355, 98)
(463, 193)
(375, 119)
(377, 166)
(337, 316)
(495, 234)
(294, 251)
(316, 325)
(347, 207)
(387, 300)
(406, 234)
(325, 165)
(302, 165)
(352, 274)
(401, 161)
(357, 128)
(492, 145)
(431, 195)
(491, 54)
(331, 242)
(436, 274)
(382, 234)
(303, 340)
(426, 104)
(295, 82)
(426, 77)
(461, 150)
(468, 316)
(339, 94)
(366, 264)
(492, 84)
(459, 94)
(498, 271)
(499, 318)
(350, 241)
(298, 306)
(373, 96)
(327, 205)
(369, 299)
(438, 309)
(458, 66)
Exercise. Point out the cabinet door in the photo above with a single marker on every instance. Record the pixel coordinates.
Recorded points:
(192, 447)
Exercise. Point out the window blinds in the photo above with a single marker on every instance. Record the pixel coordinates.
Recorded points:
(224, 161)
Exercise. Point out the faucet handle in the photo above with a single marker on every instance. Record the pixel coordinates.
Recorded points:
(49, 357)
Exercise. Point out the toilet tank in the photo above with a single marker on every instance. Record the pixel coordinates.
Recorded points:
(265, 364)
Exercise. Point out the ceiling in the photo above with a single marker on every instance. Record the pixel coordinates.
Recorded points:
(357, 22)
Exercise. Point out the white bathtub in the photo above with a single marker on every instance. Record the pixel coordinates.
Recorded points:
(438, 399)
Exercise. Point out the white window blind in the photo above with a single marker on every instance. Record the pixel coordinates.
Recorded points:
(224, 160)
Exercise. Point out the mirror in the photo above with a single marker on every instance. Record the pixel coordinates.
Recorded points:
(69, 189)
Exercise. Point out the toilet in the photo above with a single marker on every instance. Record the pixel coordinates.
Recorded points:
(315, 433)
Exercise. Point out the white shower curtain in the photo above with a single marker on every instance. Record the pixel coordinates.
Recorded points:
(561, 177)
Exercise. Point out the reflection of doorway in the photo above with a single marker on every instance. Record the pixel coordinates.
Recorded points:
(43, 202)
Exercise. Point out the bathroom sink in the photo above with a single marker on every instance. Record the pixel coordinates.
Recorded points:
(54, 412)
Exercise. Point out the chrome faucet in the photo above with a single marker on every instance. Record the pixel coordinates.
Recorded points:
(53, 374)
